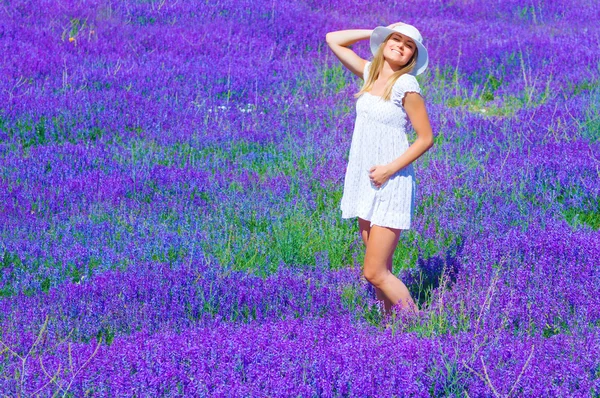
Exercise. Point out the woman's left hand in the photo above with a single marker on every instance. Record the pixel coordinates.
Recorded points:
(379, 175)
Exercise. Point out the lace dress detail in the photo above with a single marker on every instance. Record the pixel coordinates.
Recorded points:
(379, 138)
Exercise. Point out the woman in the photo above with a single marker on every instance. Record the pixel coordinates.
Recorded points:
(379, 185)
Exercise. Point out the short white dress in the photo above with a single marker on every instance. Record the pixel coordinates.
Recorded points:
(379, 138)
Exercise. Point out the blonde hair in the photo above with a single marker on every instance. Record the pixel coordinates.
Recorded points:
(375, 69)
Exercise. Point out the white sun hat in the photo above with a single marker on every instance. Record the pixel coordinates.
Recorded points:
(381, 32)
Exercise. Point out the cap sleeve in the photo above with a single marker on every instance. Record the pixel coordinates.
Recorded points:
(405, 84)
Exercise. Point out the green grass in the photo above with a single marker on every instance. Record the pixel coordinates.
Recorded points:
(445, 86)
(589, 128)
(267, 160)
(590, 215)
(296, 237)
(334, 78)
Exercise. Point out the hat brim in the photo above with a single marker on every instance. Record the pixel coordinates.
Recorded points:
(381, 32)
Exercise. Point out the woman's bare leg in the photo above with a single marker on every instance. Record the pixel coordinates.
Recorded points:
(388, 303)
(364, 227)
(380, 248)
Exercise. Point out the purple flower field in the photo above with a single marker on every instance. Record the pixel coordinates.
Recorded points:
(170, 180)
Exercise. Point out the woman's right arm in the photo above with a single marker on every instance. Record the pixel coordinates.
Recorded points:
(340, 40)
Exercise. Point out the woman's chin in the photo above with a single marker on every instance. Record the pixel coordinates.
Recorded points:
(395, 63)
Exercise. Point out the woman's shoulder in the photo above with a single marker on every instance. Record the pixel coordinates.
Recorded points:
(408, 79)
(407, 82)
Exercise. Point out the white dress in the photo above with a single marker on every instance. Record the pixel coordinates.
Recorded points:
(379, 138)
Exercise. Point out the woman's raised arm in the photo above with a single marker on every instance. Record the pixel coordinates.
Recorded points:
(339, 41)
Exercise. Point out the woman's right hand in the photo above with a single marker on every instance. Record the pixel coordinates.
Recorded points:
(395, 24)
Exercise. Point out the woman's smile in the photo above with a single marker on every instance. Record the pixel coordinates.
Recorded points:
(402, 46)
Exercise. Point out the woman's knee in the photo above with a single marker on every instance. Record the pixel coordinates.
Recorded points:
(374, 272)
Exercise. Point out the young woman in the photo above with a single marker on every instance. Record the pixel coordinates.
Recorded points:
(379, 185)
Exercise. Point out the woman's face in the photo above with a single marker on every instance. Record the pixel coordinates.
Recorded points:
(399, 49)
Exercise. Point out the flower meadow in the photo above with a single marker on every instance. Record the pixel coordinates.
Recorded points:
(171, 173)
